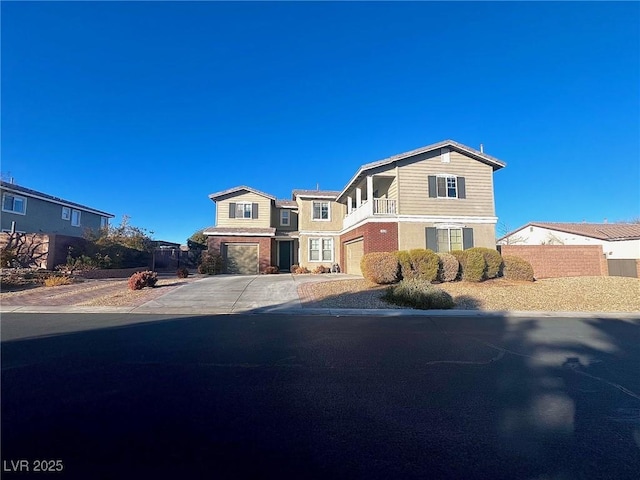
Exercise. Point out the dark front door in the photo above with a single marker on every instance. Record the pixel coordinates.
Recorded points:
(284, 256)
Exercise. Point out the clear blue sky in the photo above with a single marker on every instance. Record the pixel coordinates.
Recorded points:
(146, 108)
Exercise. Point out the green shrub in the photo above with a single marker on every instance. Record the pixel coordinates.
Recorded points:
(516, 268)
(493, 261)
(182, 272)
(380, 267)
(424, 264)
(418, 293)
(404, 261)
(139, 280)
(210, 263)
(449, 267)
(473, 266)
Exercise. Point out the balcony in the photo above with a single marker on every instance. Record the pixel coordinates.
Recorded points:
(379, 207)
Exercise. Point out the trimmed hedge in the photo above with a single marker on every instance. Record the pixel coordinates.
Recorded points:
(210, 263)
(404, 260)
(516, 268)
(473, 266)
(418, 293)
(492, 259)
(424, 264)
(380, 267)
(449, 267)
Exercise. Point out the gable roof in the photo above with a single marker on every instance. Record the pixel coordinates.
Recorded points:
(216, 195)
(286, 204)
(332, 194)
(473, 153)
(602, 231)
(12, 187)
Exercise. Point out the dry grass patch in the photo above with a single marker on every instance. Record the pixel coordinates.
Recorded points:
(579, 294)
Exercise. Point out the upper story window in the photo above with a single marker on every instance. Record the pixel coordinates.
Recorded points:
(104, 222)
(14, 204)
(243, 210)
(321, 211)
(285, 218)
(446, 186)
(75, 218)
(66, 213)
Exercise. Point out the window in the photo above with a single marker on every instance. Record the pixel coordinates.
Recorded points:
(104, 222)
(75, 218)
(320, 210)
(449, 239)
(285, 219)
(321, 249)
(14, 204)
(243, 210)
(447, 187)
(66, 213)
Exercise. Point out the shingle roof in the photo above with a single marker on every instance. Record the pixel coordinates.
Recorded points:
(478, 155)
(286, 204)
(240, 231)
(44, 196)
(601, 231)
(213, 196)
(316, 193)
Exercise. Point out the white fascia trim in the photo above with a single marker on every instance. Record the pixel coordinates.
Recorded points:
(422, 219)
(318, 234)
(58, 202)
(236, 234)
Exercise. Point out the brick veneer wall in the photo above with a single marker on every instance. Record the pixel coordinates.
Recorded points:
(264, 247)
(374, 239)
(550, 261)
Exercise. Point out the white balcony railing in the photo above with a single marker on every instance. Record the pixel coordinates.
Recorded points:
(381, 206)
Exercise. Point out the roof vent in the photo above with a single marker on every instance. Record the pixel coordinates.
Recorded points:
(481, 148)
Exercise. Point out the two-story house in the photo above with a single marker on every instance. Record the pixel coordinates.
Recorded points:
(439, 197)
(29, 211)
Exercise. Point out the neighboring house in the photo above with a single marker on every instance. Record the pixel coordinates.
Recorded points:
(28, 211)
(618, 240)
(438, 197)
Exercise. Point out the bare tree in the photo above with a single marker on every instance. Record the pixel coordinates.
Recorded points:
(24, 250)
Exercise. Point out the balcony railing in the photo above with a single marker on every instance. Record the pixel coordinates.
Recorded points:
(384, 206)
(381, 206)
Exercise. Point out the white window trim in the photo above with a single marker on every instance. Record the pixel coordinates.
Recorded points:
(328, 219)
(79, 218)
(250, 210)
(321, 239)
(282, 223)
(104, 222)
(24, 202)
(446, 176)
(448, 230)
(66, 210)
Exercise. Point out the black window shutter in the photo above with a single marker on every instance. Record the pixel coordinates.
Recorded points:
(232, 210)
(432, 187)
(254, 210)
(432, 238)
(462, 190)
(467, 238)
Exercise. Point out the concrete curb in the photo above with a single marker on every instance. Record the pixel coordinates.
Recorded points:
(195, 310)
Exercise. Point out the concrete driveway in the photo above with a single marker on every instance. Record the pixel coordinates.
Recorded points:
(236, 293)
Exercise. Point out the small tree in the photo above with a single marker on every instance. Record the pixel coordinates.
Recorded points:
(197, 243)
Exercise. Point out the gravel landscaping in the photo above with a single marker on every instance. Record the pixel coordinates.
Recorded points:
(574, 294)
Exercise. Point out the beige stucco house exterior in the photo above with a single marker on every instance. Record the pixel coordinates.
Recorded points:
(440, 197)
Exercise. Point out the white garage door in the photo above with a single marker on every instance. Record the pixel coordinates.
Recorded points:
(242, 259)
(353, 254)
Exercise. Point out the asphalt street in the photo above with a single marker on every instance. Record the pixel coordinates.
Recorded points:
(119, 396)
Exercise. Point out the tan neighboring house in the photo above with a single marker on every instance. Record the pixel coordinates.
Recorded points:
(439, 197)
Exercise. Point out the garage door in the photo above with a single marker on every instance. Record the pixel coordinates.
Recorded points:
(353, 255)
(242, 259)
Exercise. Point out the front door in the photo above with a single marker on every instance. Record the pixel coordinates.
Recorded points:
(284, 256)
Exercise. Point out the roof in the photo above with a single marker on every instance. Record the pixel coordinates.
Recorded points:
(333, 194)
(43, 196)
(216, 195)
(286, 204)
(245, 232)
(472, 152)
(601, 231)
